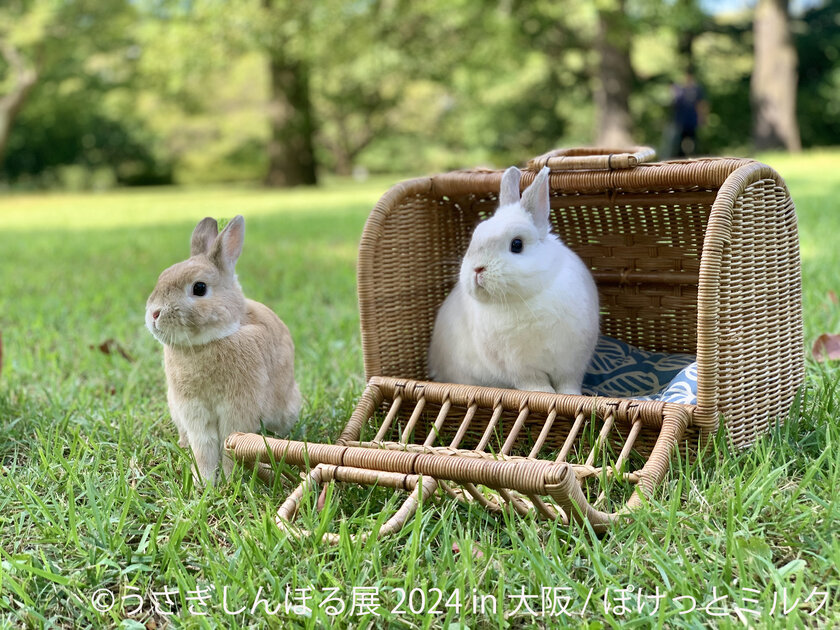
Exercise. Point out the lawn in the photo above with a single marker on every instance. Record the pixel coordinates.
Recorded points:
(95, 494)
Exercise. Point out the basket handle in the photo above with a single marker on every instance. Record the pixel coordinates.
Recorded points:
(593, 159)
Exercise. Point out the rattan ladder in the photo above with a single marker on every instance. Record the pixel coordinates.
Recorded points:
(553, 488)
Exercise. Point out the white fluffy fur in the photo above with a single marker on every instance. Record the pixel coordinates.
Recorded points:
(526, 321)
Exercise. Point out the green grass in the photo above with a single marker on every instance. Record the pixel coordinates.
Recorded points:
(95, 494)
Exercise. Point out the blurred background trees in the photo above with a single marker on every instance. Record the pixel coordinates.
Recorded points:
(95, 93)
(65, 65)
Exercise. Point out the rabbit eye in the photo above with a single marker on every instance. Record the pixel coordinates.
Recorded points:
(200, 289)
(516, 246)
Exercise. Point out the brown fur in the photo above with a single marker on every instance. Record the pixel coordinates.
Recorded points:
(229, 360)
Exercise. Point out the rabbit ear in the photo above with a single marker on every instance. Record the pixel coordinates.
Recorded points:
(228, 245)
(203, 236)
(535, 200)
(509, 191)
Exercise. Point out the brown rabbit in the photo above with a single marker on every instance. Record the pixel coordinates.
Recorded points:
(229, 360)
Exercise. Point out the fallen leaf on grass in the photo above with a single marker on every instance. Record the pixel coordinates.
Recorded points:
(478, 554)
(833, 297)
(110, 346)
(826, 347)
(322, 499)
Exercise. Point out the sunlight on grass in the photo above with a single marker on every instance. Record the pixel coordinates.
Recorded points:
(812, 166)
(161, 206)
(814, 182)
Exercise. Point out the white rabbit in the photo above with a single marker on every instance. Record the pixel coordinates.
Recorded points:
(229, 360)
(524, 312)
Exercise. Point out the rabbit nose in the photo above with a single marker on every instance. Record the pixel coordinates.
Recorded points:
(477, 279)
(155, 314)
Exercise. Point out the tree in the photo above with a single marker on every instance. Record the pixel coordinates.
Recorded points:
(818, 102)
(774, 79)
(53, 40)
(291, 152)
(387, 69)
(614, 77)
(277, 32)
(21, 27)
(24, 77)
(689, 22)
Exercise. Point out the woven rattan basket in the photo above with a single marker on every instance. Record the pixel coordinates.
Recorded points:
(698, 257)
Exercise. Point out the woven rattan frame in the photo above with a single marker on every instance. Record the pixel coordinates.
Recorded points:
(695, 256)
(551, 486)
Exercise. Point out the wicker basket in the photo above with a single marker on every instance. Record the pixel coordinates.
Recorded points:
(696, 257)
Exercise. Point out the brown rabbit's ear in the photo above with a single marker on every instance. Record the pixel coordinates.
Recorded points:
(228, 245)
(203, 236)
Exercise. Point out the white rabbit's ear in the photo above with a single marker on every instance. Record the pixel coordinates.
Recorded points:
(228, 245)
(509, 190)
(203, 236)
(535, 201)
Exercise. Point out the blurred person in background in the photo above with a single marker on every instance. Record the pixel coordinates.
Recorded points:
(689, 108)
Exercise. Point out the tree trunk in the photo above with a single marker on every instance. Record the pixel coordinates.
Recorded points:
(689, 22)
(340, 148)
(291, 155)
(614, 80)
(343, 163)
(774, 79)
(10, 104)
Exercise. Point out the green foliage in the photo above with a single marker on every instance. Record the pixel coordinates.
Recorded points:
(724, 66)
(85, 55)
(59, 130)
(818, 45)
(148, 91)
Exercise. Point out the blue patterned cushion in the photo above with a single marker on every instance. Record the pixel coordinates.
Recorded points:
(619, 370)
